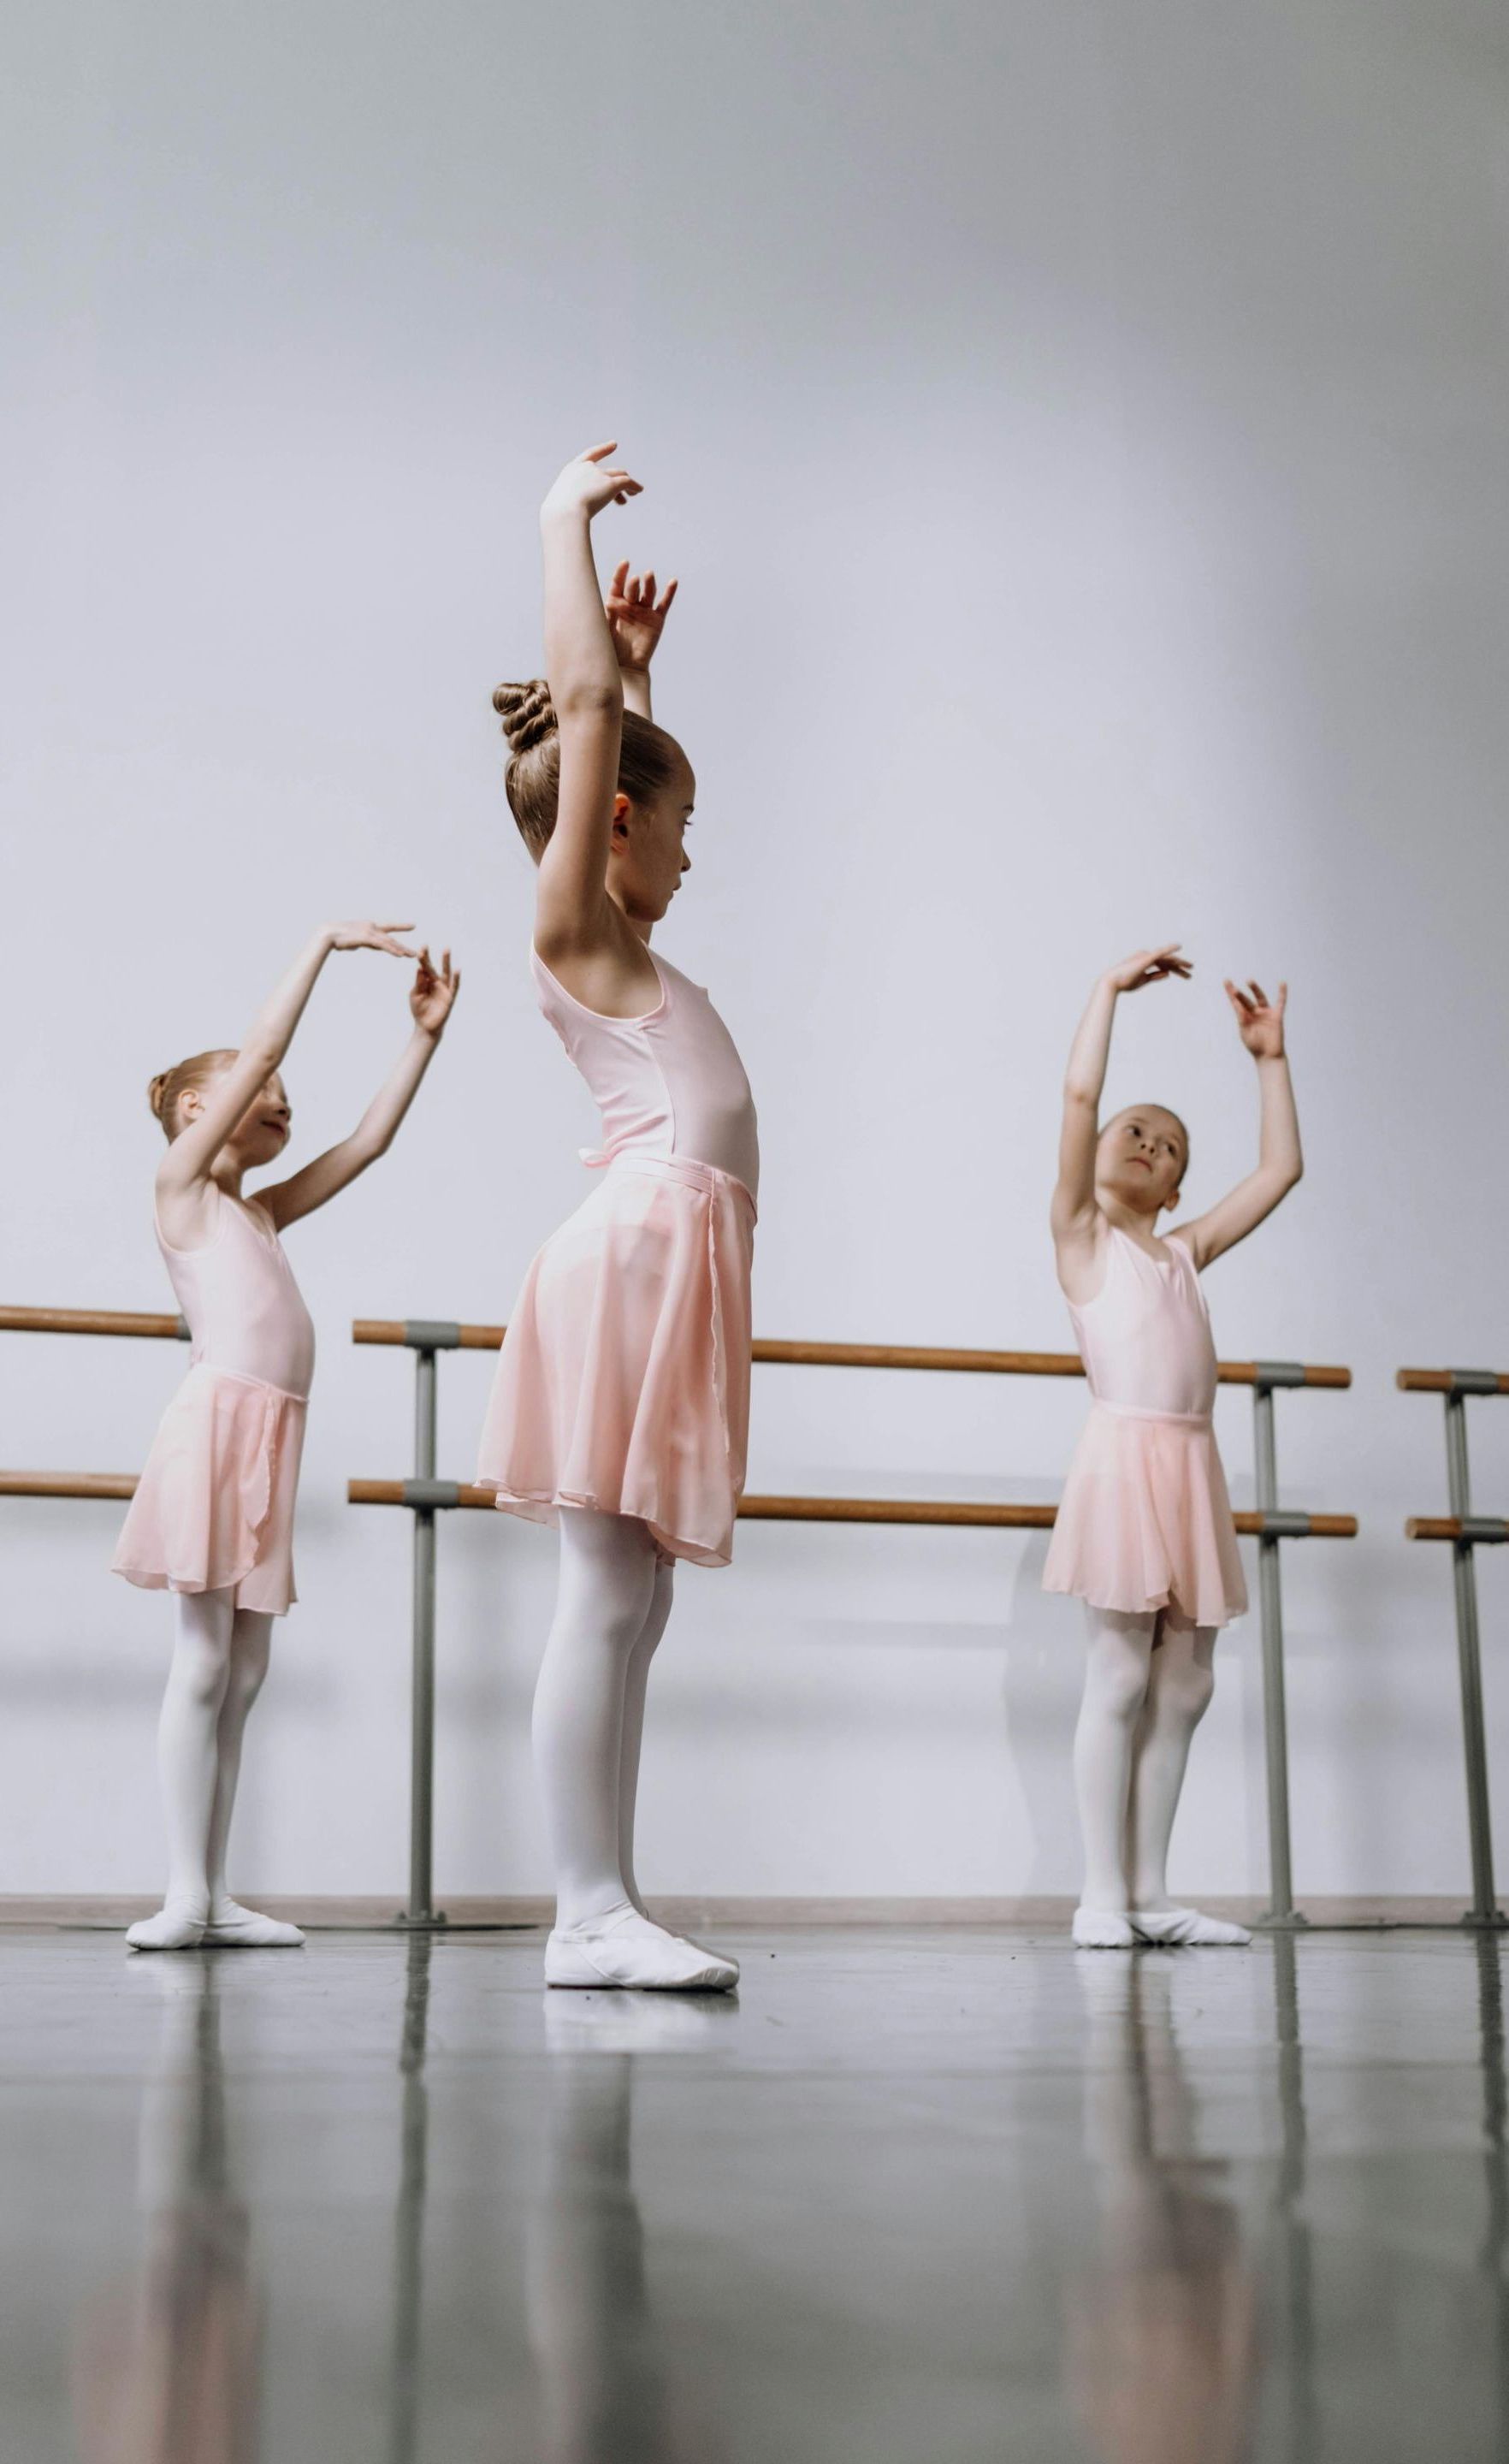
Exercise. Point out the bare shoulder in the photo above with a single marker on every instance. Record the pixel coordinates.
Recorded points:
(1079, 1254)
(610, 972)
(188, 1212)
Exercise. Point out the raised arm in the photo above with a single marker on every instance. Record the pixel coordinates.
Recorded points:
(1074, 1216)
(573, 915)
(1259, 1023)
(191, 1159)
(431, 1000)
(636, 622)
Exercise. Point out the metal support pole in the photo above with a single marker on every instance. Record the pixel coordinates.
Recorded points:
(420, 1911)
(1484, 1910)
(1280, 1911)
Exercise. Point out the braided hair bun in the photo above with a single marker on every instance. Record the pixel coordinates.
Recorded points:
(648, 758)
(528, 714)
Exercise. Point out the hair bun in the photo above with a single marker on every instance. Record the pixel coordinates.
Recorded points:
(526, 711)
(156, 1091)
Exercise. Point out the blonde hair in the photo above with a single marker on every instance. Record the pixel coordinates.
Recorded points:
(170, 1086)
(646, 759)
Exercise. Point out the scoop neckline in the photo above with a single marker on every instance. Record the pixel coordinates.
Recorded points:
(268, 1237)
(1167, 1259)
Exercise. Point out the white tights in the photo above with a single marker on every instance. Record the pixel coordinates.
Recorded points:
(220, 1658)
(611, 1610)
(1148, 1684)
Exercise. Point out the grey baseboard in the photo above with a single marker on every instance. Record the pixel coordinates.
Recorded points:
(364, 1913)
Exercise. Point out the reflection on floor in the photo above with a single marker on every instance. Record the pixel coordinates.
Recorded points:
(940, 2197)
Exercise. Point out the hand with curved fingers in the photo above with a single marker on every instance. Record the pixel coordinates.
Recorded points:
(1259, 1022)
(1148, 967)
(636, 618)
(590, 481)
(1281, 1161)
(431, 999)
(372, 936)
(433, 993)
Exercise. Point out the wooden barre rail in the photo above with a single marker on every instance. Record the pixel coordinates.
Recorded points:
(980, 1514)
(1453, 1381)
(1451, 1527)
(68, 1484)
(871, 1355)
(58, 1321)
(161, 1325)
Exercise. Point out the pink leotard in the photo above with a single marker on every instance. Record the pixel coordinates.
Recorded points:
(1144, 1338)
(245, 1311)
(1145, 1523)
(669, 1083)
(214, 1509)
(625, 1382)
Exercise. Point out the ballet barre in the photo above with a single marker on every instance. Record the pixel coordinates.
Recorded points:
(966, 1512)
(157, 1324)
(424, 1496)
(1464, 1531)
(68, 1484)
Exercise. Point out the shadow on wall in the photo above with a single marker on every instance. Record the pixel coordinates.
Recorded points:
(1041, 1688)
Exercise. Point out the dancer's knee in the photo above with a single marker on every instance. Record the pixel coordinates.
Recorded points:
(608, 1577)
(251, 1654)
(1117, 1694)
(202, 1649)
(652, 1631)
(200, 1673)
(1185, 1689)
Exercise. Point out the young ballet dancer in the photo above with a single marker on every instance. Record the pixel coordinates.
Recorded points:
(621, 1406)
(1144, 1534)
(212, 1518)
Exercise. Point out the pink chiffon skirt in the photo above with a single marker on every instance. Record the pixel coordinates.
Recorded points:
(214, 1509)
(1145, 1522)
(624, 1378)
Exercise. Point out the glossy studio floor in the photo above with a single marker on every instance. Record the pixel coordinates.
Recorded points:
(944, 2196)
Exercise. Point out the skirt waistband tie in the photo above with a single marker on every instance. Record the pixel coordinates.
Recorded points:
(708, 1178)
(244, 1378)
(1137, 1412)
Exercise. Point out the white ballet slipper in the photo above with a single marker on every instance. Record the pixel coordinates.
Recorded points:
(1103, 1929)
(177, 1927)
(725, 1958)
(233, 1927)
(1180, 1927)
(627, 1950)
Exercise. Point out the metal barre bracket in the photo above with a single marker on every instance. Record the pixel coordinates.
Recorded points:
(432, 1334)
(1269, 1374)
(184, 1335)
(432, 1492)
(1284, 1522)
(1473, 1381)
(1484, 1527)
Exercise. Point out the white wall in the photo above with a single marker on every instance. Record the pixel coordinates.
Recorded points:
(1080, 431)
